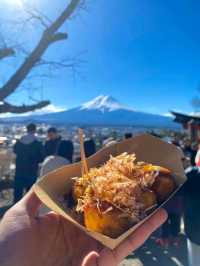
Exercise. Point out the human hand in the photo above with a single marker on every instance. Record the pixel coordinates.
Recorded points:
(27, 239)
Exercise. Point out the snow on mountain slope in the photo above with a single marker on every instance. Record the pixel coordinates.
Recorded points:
(103, 103)
(102, 111)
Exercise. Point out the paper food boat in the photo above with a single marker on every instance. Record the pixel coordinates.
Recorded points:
(146, 147)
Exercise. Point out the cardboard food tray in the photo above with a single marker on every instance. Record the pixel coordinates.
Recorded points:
(146, 147)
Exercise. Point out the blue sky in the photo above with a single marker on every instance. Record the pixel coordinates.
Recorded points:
(144, 53)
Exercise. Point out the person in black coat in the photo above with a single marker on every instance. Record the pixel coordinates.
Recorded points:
(29, 153)
(191, 193)
(90, 147)
(66, 150)
(128, 135)
(53, 142)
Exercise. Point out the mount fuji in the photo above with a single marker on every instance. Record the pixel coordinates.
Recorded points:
(103, 104)
(102, 111)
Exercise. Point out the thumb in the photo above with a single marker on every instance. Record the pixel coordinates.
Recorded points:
(91, 259)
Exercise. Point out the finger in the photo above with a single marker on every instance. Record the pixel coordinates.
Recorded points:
(53, 216)
(140, 235)
(31, 203)
(91, 259)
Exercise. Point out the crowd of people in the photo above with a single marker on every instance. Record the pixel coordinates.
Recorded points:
(183, 207)
(34, 159)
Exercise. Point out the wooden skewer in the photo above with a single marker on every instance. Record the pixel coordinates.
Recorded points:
(82, 149)
(152, 207)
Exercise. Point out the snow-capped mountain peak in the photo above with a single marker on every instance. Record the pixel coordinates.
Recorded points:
(101, 111)
(103, 103)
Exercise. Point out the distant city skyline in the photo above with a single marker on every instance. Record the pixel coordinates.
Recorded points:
(143, 53)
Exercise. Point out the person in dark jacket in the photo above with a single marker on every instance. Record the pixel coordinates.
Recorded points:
(170, 230)
(128, 135)
(53, 142)
(51, 146)
(191, 194)
(29, 153)
(194, 148)
(66, 150)
(90, 147)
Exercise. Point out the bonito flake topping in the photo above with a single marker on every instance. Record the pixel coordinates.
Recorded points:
(118, 183)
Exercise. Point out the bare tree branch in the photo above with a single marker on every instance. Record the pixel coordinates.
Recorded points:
(49, 36)
(35, 15)
(58, 37)
(67, 62)
(6, 52)
(64, 16)
(9, 108)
